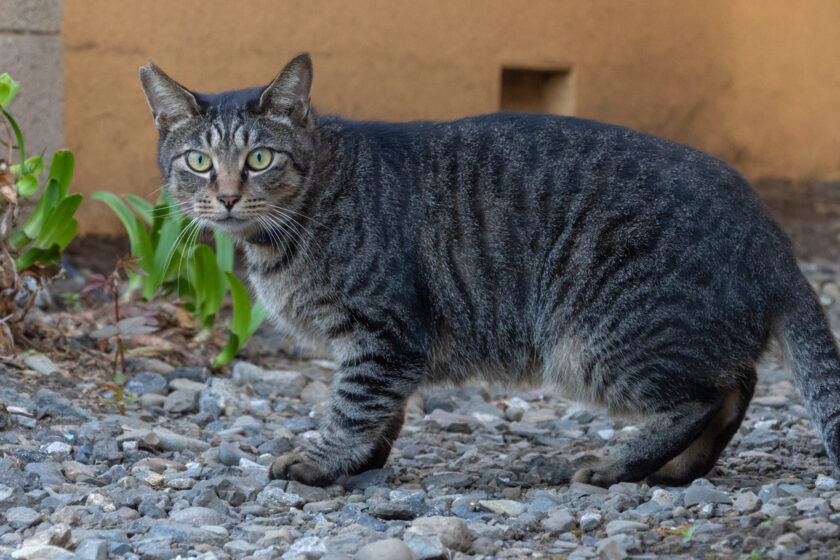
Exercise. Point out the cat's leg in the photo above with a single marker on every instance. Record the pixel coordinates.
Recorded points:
(667, 431)
(702, 454)
(365, 415)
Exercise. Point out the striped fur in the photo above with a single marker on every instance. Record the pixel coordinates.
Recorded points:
(625, 270)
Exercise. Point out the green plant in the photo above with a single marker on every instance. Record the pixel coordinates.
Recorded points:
(27, 250)
(122, 329)
(175, 263)
(687, 533)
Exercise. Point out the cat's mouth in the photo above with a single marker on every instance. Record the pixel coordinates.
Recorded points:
(233, 225)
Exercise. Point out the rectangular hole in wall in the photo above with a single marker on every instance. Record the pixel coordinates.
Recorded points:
(538, 90)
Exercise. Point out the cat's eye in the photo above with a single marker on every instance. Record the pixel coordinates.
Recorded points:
(198, 161)
(259, 159)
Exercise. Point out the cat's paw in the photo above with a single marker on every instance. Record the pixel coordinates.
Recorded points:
(599, 474)
(294, 466)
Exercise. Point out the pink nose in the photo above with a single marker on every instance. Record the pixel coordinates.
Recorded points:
(228, 200)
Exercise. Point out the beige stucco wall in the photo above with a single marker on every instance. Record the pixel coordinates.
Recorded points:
(754, 82)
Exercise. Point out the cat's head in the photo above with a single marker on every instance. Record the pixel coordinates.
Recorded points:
(237, 160)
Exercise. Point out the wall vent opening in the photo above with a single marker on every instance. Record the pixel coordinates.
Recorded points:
(538, 90)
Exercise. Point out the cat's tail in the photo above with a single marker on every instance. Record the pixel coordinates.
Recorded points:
(811, 352)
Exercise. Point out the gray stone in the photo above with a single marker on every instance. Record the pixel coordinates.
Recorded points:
(222, 396)
(590, 521)
(41, 363)
(373, 477)
(186, 534)
(288, 383)
(49, 473)
(447, 480)
(387, 549)
(230, 454)
(509, 508)
(315, 393)
(180, 401)
(40, 552)
(697, 494)
(146, 382)
(816, 528)
(92, 549)
(425, 546)
(620, 526)
(48, 403)
(274, 497)
(453, 532)
(22, 517)
(559, 520)
(760, 438)
(308, 493)
(611, 549)
(542, 504)
(746, 502)
(171, 441)
(196, 516)
(825, 483)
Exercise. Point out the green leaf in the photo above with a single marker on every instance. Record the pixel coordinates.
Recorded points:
(55, 223)
(125, 215)
(61, 170)
(18, 135)
(38, 255)
(34, 165)
(27, 185)
(19, 239)
(241, 306)
(209, 284)
(258, 315)
(229, 351)
(246, 320)
(165, 244)
(224, 250)
(142, 207)
(8, 89)
(48, 201)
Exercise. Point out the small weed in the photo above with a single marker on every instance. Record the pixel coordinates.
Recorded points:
(687, 533)
(772, 520)
(121, 330)
(756, 554)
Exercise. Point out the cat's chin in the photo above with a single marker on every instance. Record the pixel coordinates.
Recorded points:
(236, 228)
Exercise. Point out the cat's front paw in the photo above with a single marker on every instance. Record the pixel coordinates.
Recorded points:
(294, 466)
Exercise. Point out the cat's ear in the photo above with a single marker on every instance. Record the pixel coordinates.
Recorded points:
(287, 96)
(170, 102)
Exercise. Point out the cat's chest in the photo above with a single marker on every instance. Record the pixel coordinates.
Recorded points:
(296, 304)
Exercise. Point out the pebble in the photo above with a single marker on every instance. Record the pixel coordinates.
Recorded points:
(746, 502)
(453, 532)
(697, 494)
(146, 382)
(22, 517)
(620, 526)
(559, 520)
(92, 549)
(510, 508)
(386, 549)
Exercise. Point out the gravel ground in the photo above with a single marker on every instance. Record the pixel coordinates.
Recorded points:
(477, 473)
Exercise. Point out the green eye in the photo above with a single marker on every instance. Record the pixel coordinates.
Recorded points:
(198, 161)
(259, 159)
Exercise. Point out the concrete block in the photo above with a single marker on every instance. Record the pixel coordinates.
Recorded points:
(38, 16)
(36, 62)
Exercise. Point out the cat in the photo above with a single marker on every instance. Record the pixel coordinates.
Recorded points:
(625, 270)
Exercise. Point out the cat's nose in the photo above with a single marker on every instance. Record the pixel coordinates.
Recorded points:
(228, 200)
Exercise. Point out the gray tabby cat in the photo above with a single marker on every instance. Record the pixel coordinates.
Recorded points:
(629, 272)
